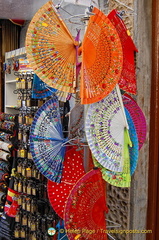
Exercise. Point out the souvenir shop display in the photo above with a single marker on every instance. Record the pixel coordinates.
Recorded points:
(8, 147)
(76, 127)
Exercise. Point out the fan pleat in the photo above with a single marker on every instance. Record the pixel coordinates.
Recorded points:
(102, 59)
(51, 49)
(104, 128)
(138, 118)
(46, 140)
(85, 208)
(73, 170)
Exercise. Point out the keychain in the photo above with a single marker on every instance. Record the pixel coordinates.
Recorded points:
(33, 224)
(17, 231)
(16, 184)
(20, 199)
(24, 203)
(19, 167)
(24, 219)
(29, 188)
(20, 186)
(23, 232)
(28, 204)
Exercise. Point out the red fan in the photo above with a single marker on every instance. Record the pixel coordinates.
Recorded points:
(85, 208)
(127, 80)
(73, 170)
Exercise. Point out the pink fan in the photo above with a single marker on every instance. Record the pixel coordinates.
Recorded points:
(73, 170)
(137, 116)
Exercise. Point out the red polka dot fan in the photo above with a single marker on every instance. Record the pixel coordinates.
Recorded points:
(73, 170)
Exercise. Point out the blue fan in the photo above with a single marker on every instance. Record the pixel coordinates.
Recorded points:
(41, 89)
(134, 150)
(47, 144)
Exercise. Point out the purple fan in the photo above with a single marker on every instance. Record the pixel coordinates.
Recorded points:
(138, 117)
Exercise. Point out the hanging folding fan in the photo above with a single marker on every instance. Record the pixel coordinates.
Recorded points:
(102, 58)
(105, 124)
(72, 171)
(41, 89)
(47, 143)
(122, 179)
(51, 49)
(127, 80)
(86, 207)
(137, 116)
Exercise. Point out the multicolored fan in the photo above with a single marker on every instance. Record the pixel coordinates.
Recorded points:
(47, 144)
(118, 179)
(137, 116)
(51, 49)
(105, 125)
(73, 170)
(86, 207)
(127, 80)
(41, 89)
(101, 69)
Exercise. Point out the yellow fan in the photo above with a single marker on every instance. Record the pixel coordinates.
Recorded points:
(51, 49)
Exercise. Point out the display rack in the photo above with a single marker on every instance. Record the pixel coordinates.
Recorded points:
(34, 214)
(11, 59)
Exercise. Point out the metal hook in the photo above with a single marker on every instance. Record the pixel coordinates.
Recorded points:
(57, 6)
(120, 14)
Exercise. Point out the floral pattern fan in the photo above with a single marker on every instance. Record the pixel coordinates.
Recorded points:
(47, 144)
(122, 179)
(102, 58)
(51, 49)
(105, 125)
(86, 207)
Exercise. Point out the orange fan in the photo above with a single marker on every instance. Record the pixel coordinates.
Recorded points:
(51, 49)
(102, 59)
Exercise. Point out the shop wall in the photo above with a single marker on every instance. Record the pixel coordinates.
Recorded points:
(129, 206)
